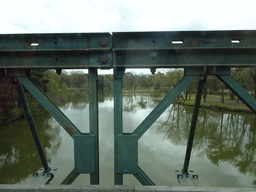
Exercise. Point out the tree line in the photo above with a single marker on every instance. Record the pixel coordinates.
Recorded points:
(166, 81)
(51, 82)
(161, 81)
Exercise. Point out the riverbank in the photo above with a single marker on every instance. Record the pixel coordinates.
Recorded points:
(213, 102)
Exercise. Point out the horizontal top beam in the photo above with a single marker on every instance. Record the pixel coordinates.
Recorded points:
(184, 40)
(56, 42)
(129, 49)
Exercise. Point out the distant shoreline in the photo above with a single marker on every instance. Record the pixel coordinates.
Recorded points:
(212, 102)
(216, 107)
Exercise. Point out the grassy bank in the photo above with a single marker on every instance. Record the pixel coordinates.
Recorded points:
(139, 91)
(214, 102)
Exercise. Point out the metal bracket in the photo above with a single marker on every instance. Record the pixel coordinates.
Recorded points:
(187, 179)
(190, 173)
(42, 177)
(127, 154)
(84, 153)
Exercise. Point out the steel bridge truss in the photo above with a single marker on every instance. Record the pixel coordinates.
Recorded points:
(200, 53)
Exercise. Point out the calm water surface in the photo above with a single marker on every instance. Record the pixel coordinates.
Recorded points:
(224, 150)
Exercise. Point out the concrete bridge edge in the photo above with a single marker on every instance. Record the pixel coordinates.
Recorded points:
(123, 188)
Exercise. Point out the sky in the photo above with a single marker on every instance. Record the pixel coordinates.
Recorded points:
(66, 16)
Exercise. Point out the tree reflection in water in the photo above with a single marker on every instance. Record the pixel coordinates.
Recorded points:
(222, 137)
(18, 154)
(133, 101)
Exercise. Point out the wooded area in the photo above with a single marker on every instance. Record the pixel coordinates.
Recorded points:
(161, 81)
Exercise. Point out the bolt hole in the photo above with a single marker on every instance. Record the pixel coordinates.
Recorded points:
(56, 43)
(34, 44)
(153, 41)
(177, 42)
(235, 41)
(56, 59)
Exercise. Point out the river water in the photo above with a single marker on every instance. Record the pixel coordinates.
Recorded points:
(224, 150)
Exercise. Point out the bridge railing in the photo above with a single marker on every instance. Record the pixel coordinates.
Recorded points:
(200, 53)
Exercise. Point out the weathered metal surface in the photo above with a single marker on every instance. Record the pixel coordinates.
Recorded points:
(127, 154)
(70, 50)
(129, 49)
(143, 178)
(55, 42)
(56, 59)
(185, 58)
(94, 122)
(184, 48)
(184, 39)
(84, 153)
(70, 178)
(118, 119)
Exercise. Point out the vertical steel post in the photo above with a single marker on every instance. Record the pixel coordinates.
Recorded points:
(32, 126)
(118, 117)
(202, 80)
(93, 114)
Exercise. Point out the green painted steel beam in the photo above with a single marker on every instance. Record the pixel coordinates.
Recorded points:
(85, 156)
(186, 58)
(118, 107)
(94, 122)
(118, 120)
(129, 49)
(163, 105)
(60, 50)
(127, 153)
(55, 42)
(70, 178)
(240, 92)
(46, 102)
(200, 87)
(184, 48)
(176, 40)
(143, 178)
(72, 59)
